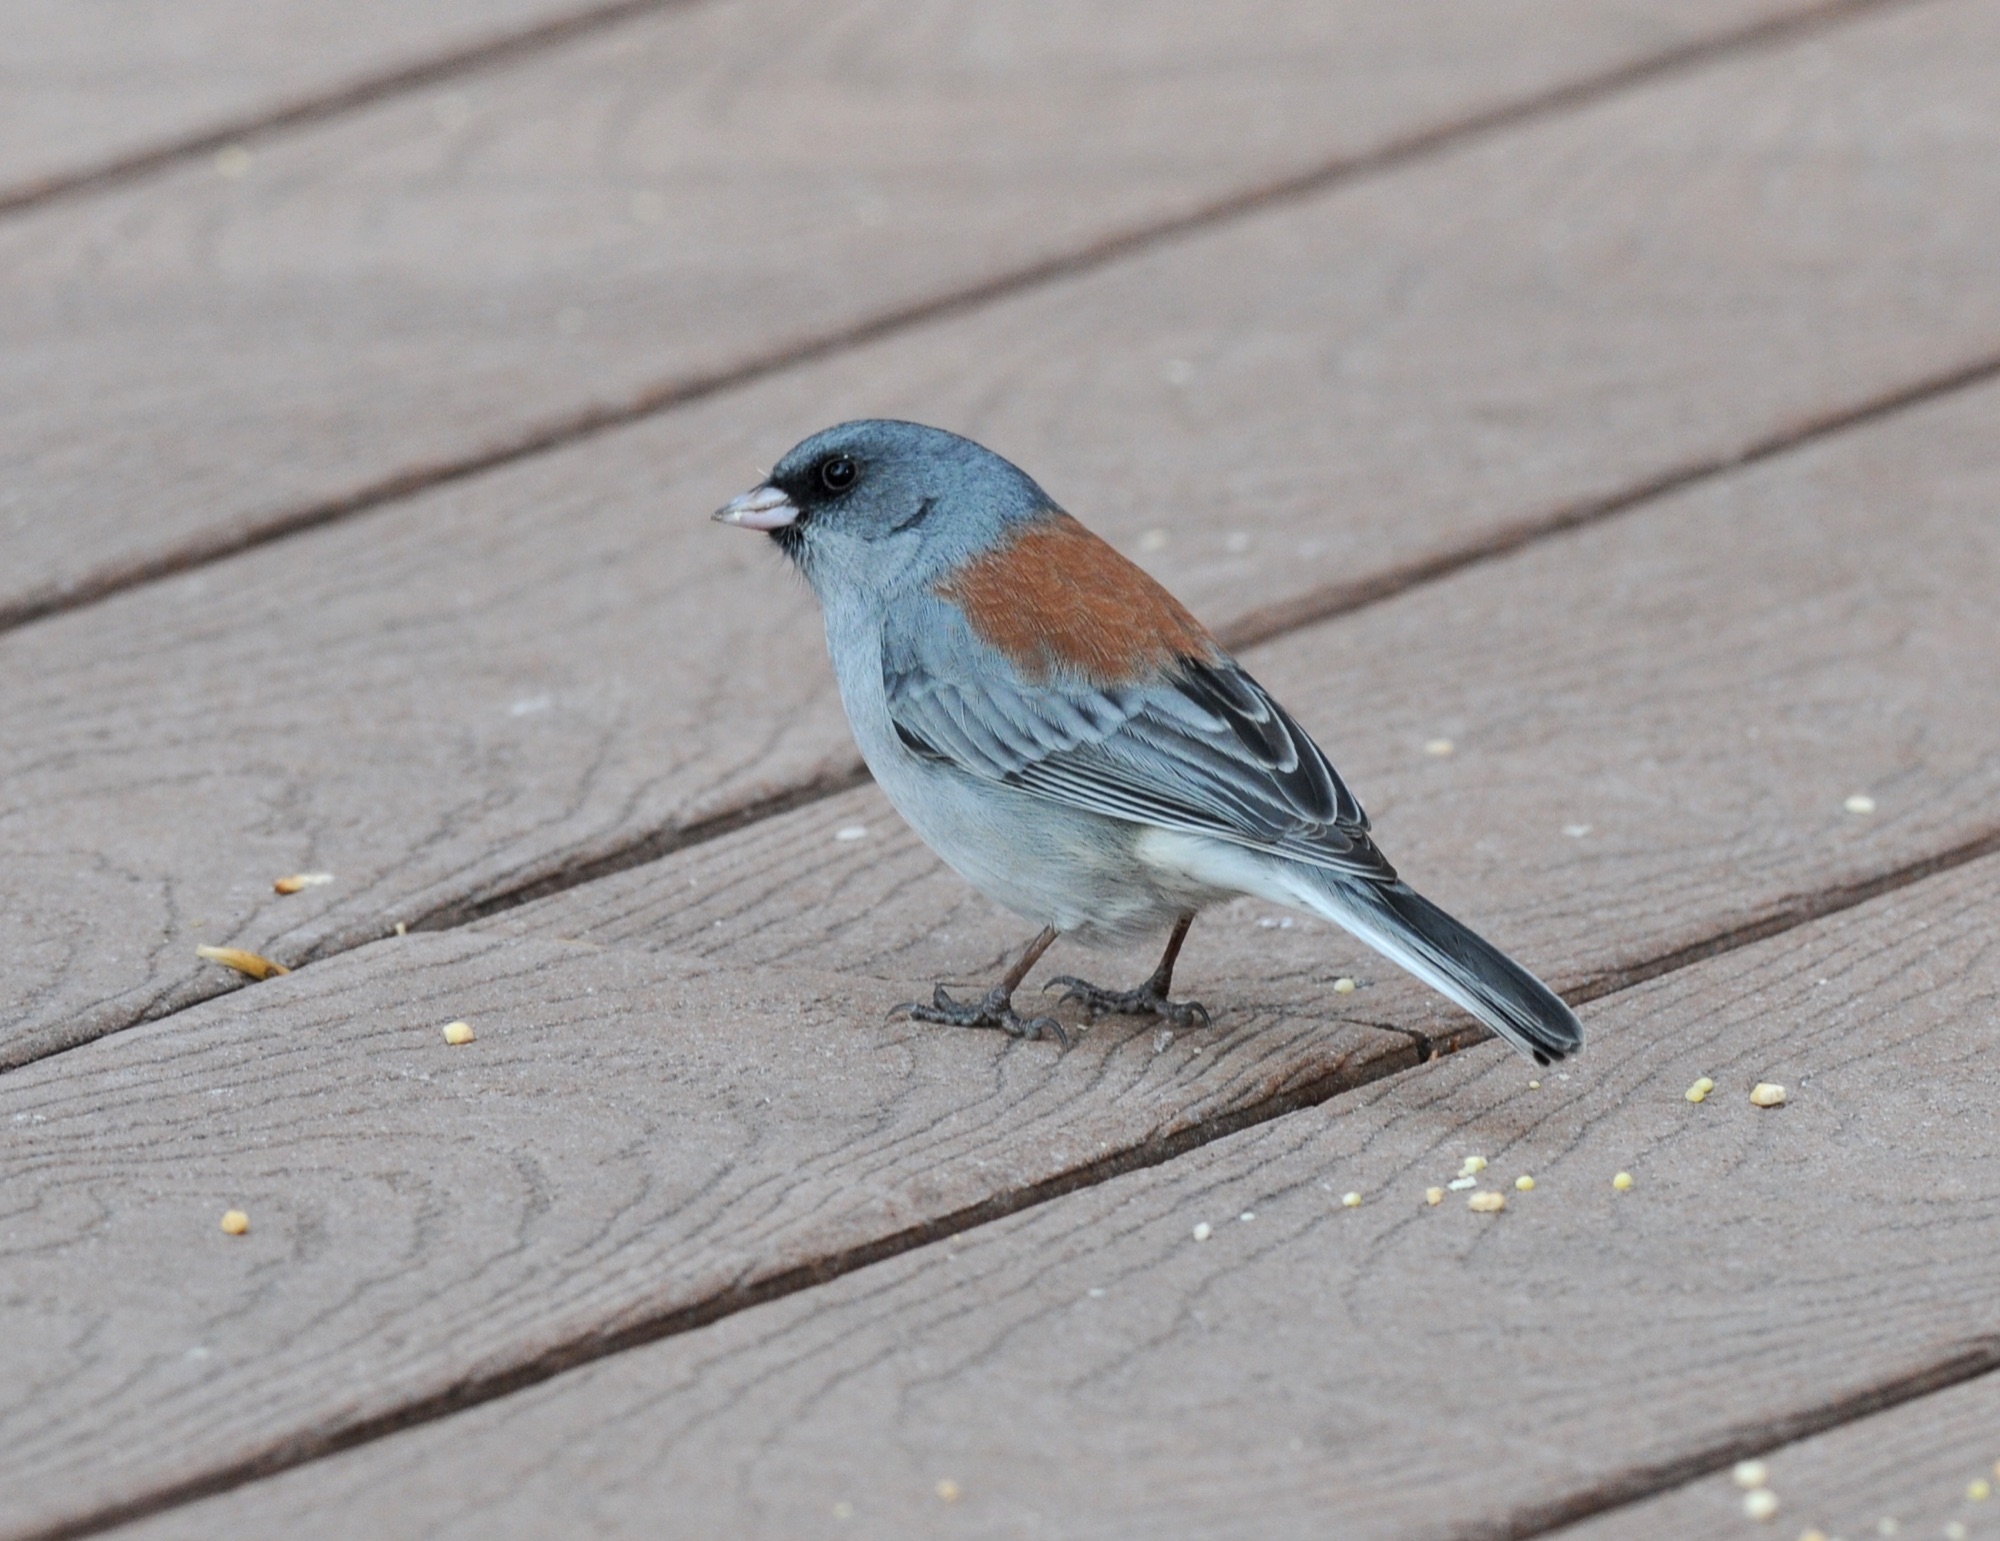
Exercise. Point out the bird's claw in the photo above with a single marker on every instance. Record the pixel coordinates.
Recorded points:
(1146, 1001)
(996, 1010)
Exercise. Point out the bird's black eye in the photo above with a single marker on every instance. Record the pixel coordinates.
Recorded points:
(837, 474)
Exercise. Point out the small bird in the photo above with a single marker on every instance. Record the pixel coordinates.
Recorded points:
(1073, 742)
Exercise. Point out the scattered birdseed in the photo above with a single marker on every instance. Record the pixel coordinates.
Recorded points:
(1486, 1203)
(1622, 1182)
(1343, 986)
(1767, 1094)
(851, 832)
(1434, 1196)
(299, 880)
(456, 1033)
(1350, 1200)
(1860, 802)
(1576, 831)
(235, 1222)
(402, 929)
(1700, 1090)
(1247, 1216)
(1525, 1183)
(1748, 1474)
(1761, 1504)
(1439, 747)
(1460, 1184)
(1472, 1166)
(247, 963)
(948, 1490)
(1979, 1490)
(1534, 1086)
(1203, 1231)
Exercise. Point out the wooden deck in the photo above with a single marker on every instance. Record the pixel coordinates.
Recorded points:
(1608, 388)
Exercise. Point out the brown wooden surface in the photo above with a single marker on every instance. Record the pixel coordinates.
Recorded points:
(1912, 1465)
(509, 680)
(85, 83)
(490, 261)
(643, 1134)
(1091, 1369)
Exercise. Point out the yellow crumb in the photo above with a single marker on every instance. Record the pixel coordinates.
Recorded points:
(1343, 986)
(1761, 1504)
(1486, 1203)
(1438, 746)
(248, 963)
(1860, 802)
(948, 1490)
(1767, 1094)
(1700, 1090)
(1474, 1165)
(1433, 1195)
(1622, 1182)
(1350, 1200)
(456, 1033)
(1525, 1183)
(1979, 1490)
(235, 1222)
(1749, 1474)
(299, 880)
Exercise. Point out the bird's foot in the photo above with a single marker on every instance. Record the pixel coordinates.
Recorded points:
(995, 1010)
(1149, 1000)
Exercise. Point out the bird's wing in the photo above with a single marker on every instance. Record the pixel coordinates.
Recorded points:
(1198, 746)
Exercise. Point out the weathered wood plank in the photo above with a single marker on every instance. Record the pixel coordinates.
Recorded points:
(474, 266)
(1912, 1465)
(1090, 1369)
(509, 680)
(88, 85)
(1656, 726)
(437, 1223)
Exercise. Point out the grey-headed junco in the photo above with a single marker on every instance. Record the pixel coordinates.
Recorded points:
(1073, 742)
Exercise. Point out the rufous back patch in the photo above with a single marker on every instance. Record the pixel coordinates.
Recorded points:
(1058, 597)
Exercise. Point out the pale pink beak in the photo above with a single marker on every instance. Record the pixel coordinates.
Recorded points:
(761, 508)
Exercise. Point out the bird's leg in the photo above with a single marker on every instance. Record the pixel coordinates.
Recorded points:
(1150, 999)
(997, 1009)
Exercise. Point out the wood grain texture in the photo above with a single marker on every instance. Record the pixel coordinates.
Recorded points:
(1656, 724)
(1911, 1465)
(609, 1159)
(87, 82)
(1090, 1369)
(629, 1138)
(463, 268)
(508, 680)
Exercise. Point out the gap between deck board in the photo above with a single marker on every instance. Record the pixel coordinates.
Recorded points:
(1102, 252)
(1975, 1359)
(1260, 626)
(1978, 1357)
(333, 102)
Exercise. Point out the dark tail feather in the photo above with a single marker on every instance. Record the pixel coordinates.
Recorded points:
(1409, 930)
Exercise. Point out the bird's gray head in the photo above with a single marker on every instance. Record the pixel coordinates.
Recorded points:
(879, 506)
